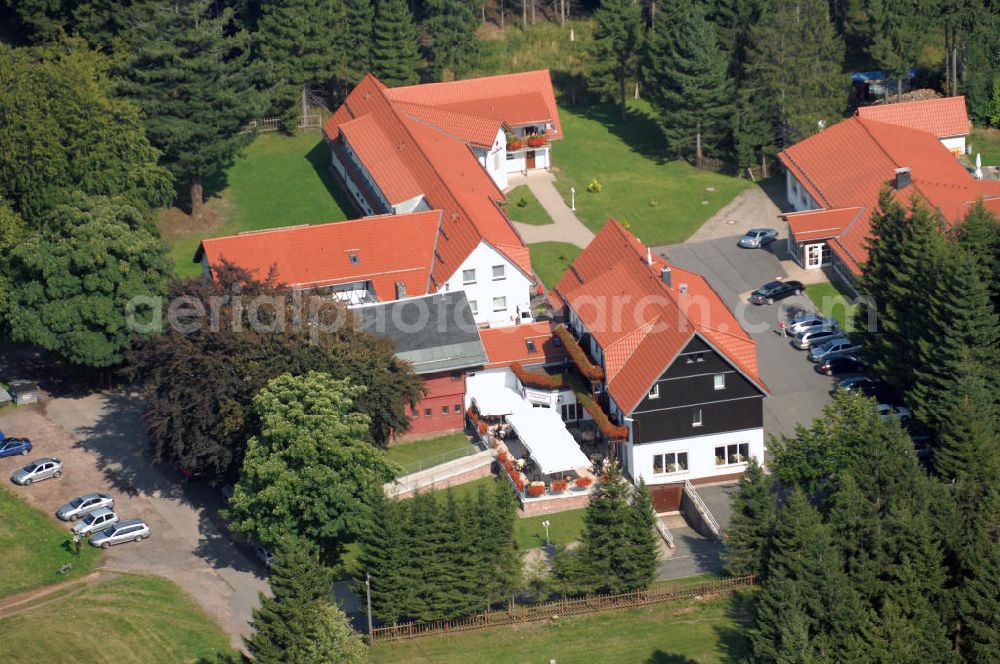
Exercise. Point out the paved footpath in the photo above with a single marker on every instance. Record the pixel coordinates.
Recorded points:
(565, 226)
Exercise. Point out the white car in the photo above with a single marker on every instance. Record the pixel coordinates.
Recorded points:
(37, 470)
(84, 505)
(94, 522)
(902, 413)
(804, 322)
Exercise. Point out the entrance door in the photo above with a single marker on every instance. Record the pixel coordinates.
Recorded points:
(814, 255)
(529, 160)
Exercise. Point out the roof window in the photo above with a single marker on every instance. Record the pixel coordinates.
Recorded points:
(531, 346)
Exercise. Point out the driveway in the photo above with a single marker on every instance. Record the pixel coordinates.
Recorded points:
(798, 393)
(102, 444)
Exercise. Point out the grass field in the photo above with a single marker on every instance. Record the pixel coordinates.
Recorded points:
(550, 260)
(542, 46)
(987, 143)
(531, 212)
(128, 619)
(419, 452)
(279, 181)
(32, 549)
(564, 527)
(688, 632)
(663, 201)
(831, 302)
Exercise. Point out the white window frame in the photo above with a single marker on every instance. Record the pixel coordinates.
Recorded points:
(719, 381)
(503, 272)
(474, 306)
(465, 280)
(726, 460)
(663, 457)
(502, 300)
(655, 392)
(696, 418)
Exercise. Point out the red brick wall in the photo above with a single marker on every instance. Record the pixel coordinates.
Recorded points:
(443, 391)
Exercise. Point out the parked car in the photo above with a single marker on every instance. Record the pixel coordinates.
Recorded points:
(38, 470)
(814, 337)
(802, 322)
(836, 345)
(773, 291)
(902, 413)
(97, 520)
(83, 505)
(130, 530)
(14, 446)
(758, 237)
(870, 387)
(840, 364)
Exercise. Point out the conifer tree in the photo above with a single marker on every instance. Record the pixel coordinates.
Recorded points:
(451, 29)
(394, 56)
(687, 83)
(506, 573)
(189, 71)
(637, 568)
(458, 551)
(794, 71)
(751, 523)
(979, 234)
(968, 425)
(429, 571)
(979, 598)
(299, 42)
(605, 530)
(617, 41)
(360, 17)
(384, 555)
(857, 531)
(896, 37)
(298, 582)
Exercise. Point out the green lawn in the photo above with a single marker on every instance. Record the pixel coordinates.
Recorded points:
(412, 456)
(542, 46)
(280, 181)
(128, 619)
(831, 302)
(550, 260)
(662, 201)
(564, 527)
(524, 207)
(987, 143)
(687, 632)
(33, 548)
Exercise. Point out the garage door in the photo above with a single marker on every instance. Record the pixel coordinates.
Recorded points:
(666, 497)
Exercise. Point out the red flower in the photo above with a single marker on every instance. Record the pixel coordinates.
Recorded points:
(559, 486)
(536, 490)
(584, 482)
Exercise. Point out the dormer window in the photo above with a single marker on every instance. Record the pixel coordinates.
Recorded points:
(353, 258)
(655, 392)
(530, 343)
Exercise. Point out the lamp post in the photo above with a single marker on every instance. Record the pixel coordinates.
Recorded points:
(572, 199)
(546, 524)
(368, 594)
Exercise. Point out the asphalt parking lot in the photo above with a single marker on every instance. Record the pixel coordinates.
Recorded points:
(798, 393)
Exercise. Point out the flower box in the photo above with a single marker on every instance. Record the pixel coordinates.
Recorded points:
(538, 379)
(589, 370)
(583, 482)
(536, 141)
(535, 490)
(558, 486)
(503, 457)
(515, 144)
(483, 428)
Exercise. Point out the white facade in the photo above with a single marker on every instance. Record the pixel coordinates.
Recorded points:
(494, 159)
(701, 453)
(517, 161)
(798, 197)
(498, 292)
(954, 143)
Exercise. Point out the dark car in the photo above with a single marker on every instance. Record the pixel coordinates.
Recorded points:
(14, 446)
(773, 291)
(840, 364)
(870, 387)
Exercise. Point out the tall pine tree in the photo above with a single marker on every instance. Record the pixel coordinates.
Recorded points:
(617, 41)
(360, 17)
(751, 523)
(638, 568)
(394, 56)
(452, 47)
(687, 83)
(384, 555)
(967, 425)
(189, 71)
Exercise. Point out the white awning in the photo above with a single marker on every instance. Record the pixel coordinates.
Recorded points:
(543, 432)
(492, 396)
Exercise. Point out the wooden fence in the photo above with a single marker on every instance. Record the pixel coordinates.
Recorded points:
(264, 125)
(568, 607)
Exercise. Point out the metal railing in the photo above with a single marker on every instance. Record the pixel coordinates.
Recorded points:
(661, 527)
(438, 459)
(702, 508)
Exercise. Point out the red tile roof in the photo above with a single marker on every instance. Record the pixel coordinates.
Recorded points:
(516, 99)
(446, 171)
(381, 159)
(820, 224)
(507, 345)
(616, 289)
(943, 117)
(846, 166)
(472, 129)
(389, 248)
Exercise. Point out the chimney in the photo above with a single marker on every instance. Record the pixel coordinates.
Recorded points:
(684, 289)
(400, 290)
(902, 177)
(649, 256)
(665, 275)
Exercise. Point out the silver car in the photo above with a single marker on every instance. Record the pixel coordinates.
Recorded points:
(838, 345)
(38, 470)
(84, 505)
(804, 322)
(98, 520)
(130, 530)
(814, 337)
(758, 237)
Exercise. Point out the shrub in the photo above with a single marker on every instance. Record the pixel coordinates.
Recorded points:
(653, 202)
(594, 186)
(522, 202)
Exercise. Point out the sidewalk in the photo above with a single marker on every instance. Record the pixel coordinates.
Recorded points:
(565, 227)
